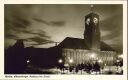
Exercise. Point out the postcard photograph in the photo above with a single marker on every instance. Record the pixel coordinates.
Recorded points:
(83, 39)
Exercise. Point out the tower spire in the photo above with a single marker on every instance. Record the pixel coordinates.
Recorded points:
(91, 7)
(92, 31)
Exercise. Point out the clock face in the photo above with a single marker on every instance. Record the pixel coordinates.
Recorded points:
(95, 20)
(88, 21)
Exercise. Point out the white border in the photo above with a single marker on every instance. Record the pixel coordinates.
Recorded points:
(66, 77)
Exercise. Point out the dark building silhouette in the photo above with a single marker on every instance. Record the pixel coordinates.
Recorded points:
(44, 57)
(18, 58)
(15, 58)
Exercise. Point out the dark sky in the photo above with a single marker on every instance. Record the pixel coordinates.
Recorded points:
(42, 24)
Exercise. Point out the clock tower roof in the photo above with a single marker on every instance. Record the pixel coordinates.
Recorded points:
(92, 14)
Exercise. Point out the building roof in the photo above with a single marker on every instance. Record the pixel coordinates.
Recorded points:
(77, 43)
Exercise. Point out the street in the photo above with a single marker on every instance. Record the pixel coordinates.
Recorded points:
(106, 70)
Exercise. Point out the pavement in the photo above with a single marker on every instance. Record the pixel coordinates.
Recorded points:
(106, 70)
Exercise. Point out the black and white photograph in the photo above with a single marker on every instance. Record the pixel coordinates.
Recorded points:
(82, 39)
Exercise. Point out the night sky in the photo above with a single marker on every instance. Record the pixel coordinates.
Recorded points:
(42, 25)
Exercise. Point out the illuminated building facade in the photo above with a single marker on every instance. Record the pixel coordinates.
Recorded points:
(91, 48)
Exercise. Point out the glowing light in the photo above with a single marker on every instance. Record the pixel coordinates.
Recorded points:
(93, 56)
(120, 56)
(60, 60)
(70, 60)
(28, 61)
(92, 5)
(66, 65)
(117, 60)
(100, 61)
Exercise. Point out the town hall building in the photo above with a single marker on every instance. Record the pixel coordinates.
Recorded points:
(91, 48)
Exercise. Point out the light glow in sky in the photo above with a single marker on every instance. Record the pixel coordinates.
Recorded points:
(40, 25)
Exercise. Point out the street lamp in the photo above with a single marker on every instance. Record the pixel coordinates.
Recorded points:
(117, 64)
(92, 55)
(60, 61)
(70, 65)
(28, 61)
(70, 60)
(101, 65)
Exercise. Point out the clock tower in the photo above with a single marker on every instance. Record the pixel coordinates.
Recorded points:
(92, 31)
